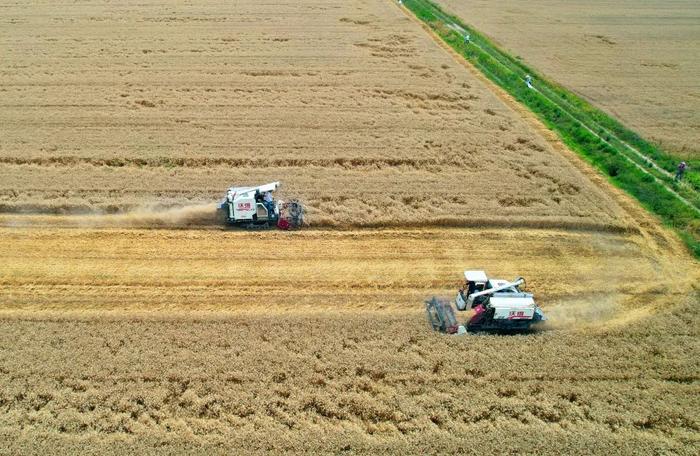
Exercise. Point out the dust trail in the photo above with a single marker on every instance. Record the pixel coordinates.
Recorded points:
(154, 217)
(576, 312)
(151, 216)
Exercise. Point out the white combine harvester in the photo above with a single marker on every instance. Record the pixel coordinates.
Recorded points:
(256, 208)
(495, 305)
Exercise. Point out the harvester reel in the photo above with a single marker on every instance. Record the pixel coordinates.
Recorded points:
(441, 316)
(291, 215)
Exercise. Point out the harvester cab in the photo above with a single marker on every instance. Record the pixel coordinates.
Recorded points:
(475, 282)
(256, 207)
(495, 304)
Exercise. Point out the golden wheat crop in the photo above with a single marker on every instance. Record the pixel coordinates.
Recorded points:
(328, 383)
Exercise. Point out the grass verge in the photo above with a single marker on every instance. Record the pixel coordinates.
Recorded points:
(598, 138)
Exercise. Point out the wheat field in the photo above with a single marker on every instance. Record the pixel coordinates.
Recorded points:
(359, 113)
(637, 60)
(163, 341)
(131, 324)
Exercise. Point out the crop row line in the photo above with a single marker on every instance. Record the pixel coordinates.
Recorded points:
(239, 163)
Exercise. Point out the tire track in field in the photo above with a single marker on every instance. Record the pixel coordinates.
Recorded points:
(204, 217)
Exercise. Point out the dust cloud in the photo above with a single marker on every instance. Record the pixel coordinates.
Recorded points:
(154, 217)
(145, 217)
(579, 312)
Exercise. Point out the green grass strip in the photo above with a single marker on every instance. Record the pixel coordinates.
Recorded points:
(598, 138)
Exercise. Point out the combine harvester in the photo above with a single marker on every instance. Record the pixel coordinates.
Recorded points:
(256, 208)
(495, 305)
